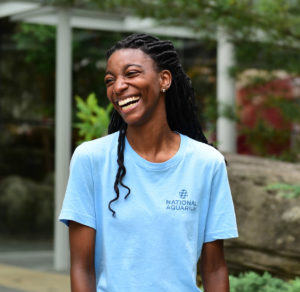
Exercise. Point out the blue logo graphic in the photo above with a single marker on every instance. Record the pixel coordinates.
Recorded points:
(182, 204)
(183, 194)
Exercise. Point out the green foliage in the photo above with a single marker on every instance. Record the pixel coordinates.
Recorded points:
(210, 115)
(263, 136)
(228, 111)
(38, 41)
(267, 56)
(285, 190)
(280, 19)
(243, 18)
(295, 285)
(94, 118)
(290, 109)
(252, 282)
(269, 133)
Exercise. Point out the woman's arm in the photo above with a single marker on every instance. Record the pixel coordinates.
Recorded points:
(82, 250)
(213, 267)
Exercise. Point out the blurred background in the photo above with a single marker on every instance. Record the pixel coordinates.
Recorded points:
(244, 61)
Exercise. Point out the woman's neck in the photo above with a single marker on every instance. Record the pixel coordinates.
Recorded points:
(154, 142)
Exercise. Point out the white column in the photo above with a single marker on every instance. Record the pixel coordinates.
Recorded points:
(62, 133)
(226, 128)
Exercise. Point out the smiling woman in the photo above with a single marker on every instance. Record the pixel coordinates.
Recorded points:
(134, 86)
(178, 204)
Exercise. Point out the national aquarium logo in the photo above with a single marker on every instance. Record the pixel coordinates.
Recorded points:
(182, 203)
(183, 194)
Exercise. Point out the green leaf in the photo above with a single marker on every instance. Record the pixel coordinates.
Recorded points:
(288, 191)
(94, 119)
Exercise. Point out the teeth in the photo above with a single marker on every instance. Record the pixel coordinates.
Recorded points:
(128, 106)
(127, 100)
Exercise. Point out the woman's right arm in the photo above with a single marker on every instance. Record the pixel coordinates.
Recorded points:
(82, 251)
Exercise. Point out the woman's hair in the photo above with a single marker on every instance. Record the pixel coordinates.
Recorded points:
(179, 98)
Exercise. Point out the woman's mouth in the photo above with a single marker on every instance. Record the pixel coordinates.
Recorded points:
(128, 103)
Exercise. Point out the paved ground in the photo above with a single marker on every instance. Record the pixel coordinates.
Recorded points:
(28, 267)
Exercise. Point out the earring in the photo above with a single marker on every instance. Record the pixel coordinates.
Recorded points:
(163, 90)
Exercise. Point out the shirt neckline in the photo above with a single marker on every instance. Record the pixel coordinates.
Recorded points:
(139, 160)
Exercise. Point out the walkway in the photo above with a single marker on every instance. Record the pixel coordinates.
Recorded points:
(30, 269)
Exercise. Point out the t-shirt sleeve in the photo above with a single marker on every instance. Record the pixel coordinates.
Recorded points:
(221, 220)
(78, 203)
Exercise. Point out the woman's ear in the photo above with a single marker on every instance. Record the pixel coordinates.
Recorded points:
(165, 80)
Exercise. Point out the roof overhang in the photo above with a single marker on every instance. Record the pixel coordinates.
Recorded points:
(34, 12)
(9, 8)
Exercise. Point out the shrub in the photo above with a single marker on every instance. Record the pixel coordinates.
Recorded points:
(94, 118)
(288, 191)
(253, 282)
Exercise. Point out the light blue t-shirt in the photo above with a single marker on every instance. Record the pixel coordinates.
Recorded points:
(154, 242)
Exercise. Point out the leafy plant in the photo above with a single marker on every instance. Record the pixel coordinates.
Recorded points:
(243, 18)
(268, 112)
(285, 190)
(94, 118)
(263, 137)
(253, 282)
(37, 43)
(295, 285)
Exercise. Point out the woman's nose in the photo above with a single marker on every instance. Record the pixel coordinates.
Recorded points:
(119, 86)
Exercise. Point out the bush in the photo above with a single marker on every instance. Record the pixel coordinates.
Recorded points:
(252, 282)
(94, 119)
(288, 191)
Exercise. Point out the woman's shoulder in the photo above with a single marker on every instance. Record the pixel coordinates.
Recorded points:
(98, 146)
(203, 151)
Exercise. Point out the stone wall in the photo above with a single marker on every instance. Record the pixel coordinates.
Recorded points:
(268, 222)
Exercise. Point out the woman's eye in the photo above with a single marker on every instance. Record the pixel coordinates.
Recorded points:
(108, 81)
(132, 73)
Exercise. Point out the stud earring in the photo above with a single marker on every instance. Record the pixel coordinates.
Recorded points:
(163, 90)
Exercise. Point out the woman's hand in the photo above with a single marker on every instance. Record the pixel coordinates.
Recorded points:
(213, 267)
(82, 250)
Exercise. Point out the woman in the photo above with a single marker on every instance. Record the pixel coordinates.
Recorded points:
(178, 204)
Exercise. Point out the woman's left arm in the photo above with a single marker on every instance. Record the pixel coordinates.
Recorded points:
(213, 267)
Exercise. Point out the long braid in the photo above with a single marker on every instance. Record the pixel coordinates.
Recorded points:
(121, 170)
(179, 98)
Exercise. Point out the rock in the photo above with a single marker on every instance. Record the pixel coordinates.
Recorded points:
(26, 206)
(269, 223)
(291, 215)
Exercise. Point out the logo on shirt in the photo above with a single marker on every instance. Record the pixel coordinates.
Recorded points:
(181, 204)
(183, 194)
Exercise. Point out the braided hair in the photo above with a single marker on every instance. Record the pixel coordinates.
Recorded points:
(179, 98)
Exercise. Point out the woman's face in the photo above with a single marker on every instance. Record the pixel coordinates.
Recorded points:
(134, 86)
